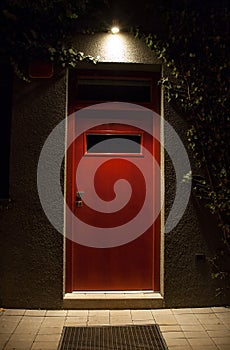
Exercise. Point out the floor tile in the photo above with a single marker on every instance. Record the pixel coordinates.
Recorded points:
(200, 341)
(120, 313)
(77, 313)
(208, 319)
(12, 319)
(187, 319)
(5, 336)
(47, 337)
(165, 319)
(23, 337)
(143, 322)
(28, 325)
(8, 327)
(181, 311)
(14, 312)
(19, 345)
(173, 335)
(223, 347)
(215, 327)
(182, 342)
(79, 324)
(120, 320)
(56, 313)
(192, 328)
(2, 343)
(141, 315)
(180, 347)
(205, 347)
(196, 334)
(97, 320)
(53, 321)
(76, 321)
(35, 312)
(171, 328)
(98, 313)
(220, 309)
(227, 324)
(51, 345)
(222, 340)
(219, 333)
(32, 319)
(225, 316)
(27, 328)
(50, 330)
(161, 312)
(202, 310)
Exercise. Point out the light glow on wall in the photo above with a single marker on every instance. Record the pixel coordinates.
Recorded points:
(114, 47)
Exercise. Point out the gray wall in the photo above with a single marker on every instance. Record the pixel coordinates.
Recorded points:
(31, 251)
(187, 282)
(31, 255)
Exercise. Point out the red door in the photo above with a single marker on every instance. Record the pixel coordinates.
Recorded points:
(105, 154)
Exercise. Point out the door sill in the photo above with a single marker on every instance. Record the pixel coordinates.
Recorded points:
(112, 292)
(113, 300)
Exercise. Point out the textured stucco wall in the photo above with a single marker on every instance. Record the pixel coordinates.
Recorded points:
(121, 48)
(31, 255)
(188, 283)
(31, 251)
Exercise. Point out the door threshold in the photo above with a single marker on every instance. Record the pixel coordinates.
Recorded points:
(111, 292)
(113, 300)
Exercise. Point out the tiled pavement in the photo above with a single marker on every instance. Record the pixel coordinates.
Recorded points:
(183, 329)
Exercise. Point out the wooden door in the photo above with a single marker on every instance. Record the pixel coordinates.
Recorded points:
(130, 266)
(134, 265)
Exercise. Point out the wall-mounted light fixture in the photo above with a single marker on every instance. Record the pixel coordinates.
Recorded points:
(115, 27)
(115, 30)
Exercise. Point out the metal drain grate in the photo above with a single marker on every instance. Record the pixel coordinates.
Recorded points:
(138, 337)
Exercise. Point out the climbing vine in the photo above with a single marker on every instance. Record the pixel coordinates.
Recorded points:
(42, 29)
(196, 82)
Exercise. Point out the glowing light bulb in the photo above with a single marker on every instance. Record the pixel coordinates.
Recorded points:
(115, 30)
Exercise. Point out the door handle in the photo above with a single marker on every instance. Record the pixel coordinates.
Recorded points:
(79, 194)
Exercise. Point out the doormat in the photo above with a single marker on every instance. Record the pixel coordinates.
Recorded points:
(133, 337)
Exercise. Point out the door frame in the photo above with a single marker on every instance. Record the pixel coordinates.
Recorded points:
(157, 105)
